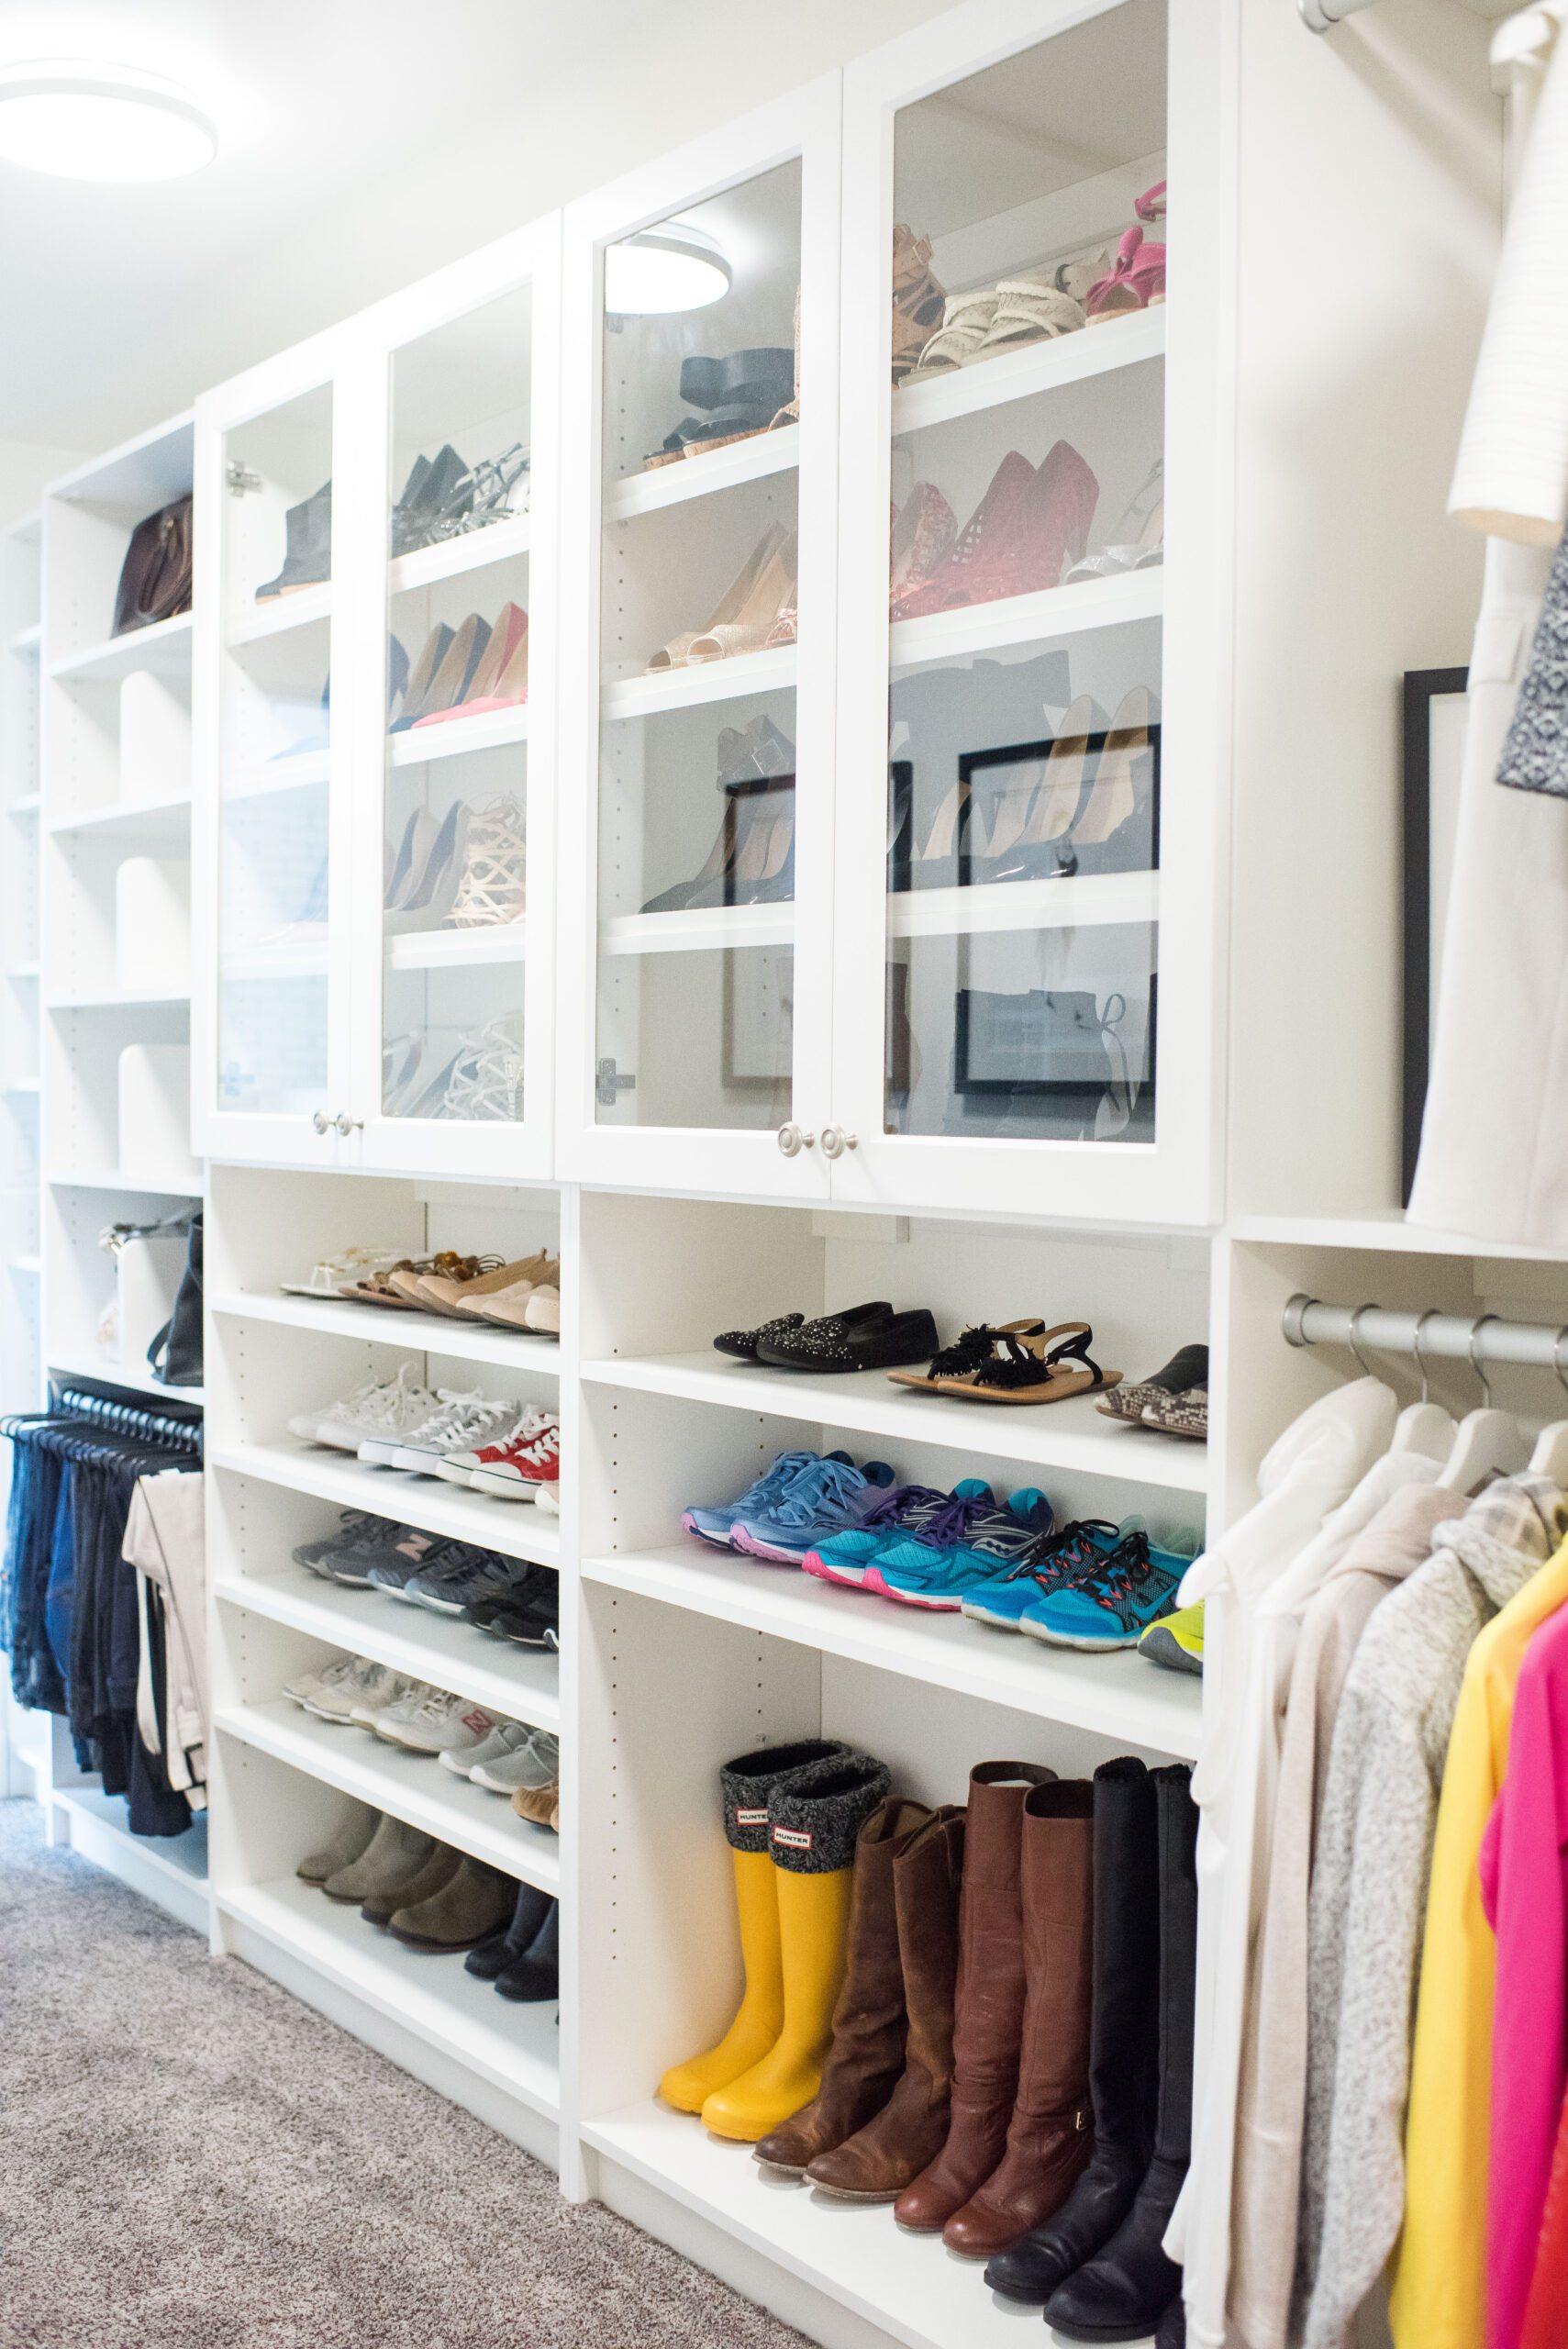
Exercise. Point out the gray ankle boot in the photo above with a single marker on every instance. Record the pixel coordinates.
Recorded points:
(392, 1852)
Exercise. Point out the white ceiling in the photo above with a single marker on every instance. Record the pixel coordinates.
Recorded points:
(362, 143)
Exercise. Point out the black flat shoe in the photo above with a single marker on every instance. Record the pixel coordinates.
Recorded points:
(742, 1345)
(850, 1342)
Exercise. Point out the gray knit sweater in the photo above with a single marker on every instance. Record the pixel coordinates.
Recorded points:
(1370, 1868)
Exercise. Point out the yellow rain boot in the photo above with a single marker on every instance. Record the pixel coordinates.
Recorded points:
(814, 1818)
(745, 1785)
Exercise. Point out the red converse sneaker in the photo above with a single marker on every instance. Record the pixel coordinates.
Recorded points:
(515, 1472)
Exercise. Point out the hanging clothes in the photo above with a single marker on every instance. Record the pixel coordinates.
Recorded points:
(1369, 1888)
(165, 1540)
(1312, 1468)
(1273, 2079)
(1546, 2311)
(1439, 2294)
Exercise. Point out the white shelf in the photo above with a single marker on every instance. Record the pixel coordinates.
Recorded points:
(458, 950)
(908, 2285)
(769, 671)
(28, 641)
(170, 1869)
(469, 550)
(115, 1178)
(523, 1683)
(285, 958)
(1078, 901)
(1043, 618)
(150, 819)
(301, 770)
(1072, 1436)
(134, 1381)
(1119, 1694)
(164, 648)
(29, 1266)
(1038, 368)
(153, 469)
(119, 999)
(514, 2047)
(22, 970)
(412, 1786)
(517, 1528)
(492, 730)
(766, 453)
(379, 1325)
(306, 608)
(706, 927)
(26, 807)
(23, 1085)
(1389, 1230)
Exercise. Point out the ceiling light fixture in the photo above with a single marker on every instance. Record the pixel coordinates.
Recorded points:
(100, 122)
(668, 268)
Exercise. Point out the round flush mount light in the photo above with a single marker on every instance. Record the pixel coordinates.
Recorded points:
(100, 122)
(663, 269)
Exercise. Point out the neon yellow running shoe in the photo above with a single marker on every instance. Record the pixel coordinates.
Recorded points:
(1175, 1640)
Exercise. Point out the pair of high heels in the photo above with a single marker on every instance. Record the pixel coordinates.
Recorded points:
(1138, 542)
(463, 672)
(1031, 525)
(917, 299)
(481, 1081)
(756, 610)
(1092, 806)
(744, 394)
(469, 872)
(751, 861)
(443, 497)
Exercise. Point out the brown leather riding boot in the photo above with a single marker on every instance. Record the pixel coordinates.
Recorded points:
(878, 2161)
(990, 2009)
(867, 2055)
(1049, 2137)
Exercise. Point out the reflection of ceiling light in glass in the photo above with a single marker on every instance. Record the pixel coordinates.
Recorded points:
(100, 122)
(668, 268)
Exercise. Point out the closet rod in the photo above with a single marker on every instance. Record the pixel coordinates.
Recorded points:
(1321, 16)
(1457, 1337)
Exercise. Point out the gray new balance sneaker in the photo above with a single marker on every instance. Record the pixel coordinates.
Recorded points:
(460, 1583)
(504, 1738)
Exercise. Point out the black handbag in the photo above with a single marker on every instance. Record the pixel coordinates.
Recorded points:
(155, 577)
(175, 1353)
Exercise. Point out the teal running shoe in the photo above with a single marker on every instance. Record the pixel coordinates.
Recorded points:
(1114, 1604)
(844, 1557)
(1078, 1549)
(983, 1542)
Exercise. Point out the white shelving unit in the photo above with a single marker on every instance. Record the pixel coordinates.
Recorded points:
(20, 1037)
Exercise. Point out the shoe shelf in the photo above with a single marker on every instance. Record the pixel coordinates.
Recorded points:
(22, 1085)
(1045, 616)
(117, 1000)
(1024, 374)
(134, 1379)
(169, 1869)
(454, 950)
(524, 1683)
(492, 730)
(514, 2048)
(22, 970)
(711, 681)
(1119, 1694)
(308, 607)
(303, 770)
(1072, 1436)
(114, 1178)
(412, 1786)
(754, 460)
(516, 1528)
(164, 648)
(27, 807)
(705, 927)
(165, 820)
(29, 1267)
(1080, 901)
(27, 642)
(289, 958)
(432, 1333)
(450, 557)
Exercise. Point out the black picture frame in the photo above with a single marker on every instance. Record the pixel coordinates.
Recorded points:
(1422, 690)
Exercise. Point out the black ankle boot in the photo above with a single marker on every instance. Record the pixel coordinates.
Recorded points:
(537, 1974)
(1124, 2041)
(1124, 2293)
(493, 1956)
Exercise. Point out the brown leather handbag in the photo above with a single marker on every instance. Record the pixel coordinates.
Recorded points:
(155, 577)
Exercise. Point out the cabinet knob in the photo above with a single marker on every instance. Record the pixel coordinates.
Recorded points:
(347, 1125)
(835, 1141)
(321, 1122)
(792, 1141)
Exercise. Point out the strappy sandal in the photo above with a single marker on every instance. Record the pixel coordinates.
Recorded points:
(917, 298)
(327, 1278)
(1137, 281)
(966, 321)
(486, 1081)
(958, 1361)
(1138, 542)
(1033, 1370)
(405, 1280)
(493, 886)
(447, 1292)
(376, 1287)
(1030, 309)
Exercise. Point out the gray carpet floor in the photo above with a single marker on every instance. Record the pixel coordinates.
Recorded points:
(190, 2159)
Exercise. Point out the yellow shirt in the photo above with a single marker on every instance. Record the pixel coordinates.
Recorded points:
(1439, 2300)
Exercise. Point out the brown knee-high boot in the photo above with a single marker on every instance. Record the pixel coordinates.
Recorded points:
(1049, 2137)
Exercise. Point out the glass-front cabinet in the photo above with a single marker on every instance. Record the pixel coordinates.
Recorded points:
(701, 693)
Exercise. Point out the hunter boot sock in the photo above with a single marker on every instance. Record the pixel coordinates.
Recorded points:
(877, 2162)
(469, 1907)
(1047, 2137)
(990, 2006)
(391, 1856)
(814, 1819)
(1126, 2291)
(1124, 2041)
(743, 1792)
(351, 1843)
(418, 1883)
(869, 2022)
(537, 1974)
(504, 1949)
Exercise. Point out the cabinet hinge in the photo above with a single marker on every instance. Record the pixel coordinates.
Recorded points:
(608, 1084)
(241, 478)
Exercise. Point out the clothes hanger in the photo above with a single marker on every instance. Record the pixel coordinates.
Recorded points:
(1487, 1442)
(1425, 1427)
(1550, 1457)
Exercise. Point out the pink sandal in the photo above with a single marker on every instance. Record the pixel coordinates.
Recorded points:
(1136, 282)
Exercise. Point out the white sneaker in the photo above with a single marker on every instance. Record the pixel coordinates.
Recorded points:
(377, 1449)
(533, 1764)
(367, 1684)
(305, 1685)
(395, 1408)
(502, 1739)
(305, 1424)
(464, 1421)
(459, 1465)
(548, 1498)
(369, 1711)
(442, 1724)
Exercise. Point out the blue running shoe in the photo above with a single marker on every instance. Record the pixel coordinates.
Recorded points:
(1113, 1606)
(717, 1523)
(909, 1510)
(826, 1499)
(1078, 1549)
(990, 1542)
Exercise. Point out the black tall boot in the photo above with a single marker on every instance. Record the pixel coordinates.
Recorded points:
(1123, 2294)
(1123, 2047)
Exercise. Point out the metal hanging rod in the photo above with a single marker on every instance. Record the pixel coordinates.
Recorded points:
(1453, 1336)
(1321, 16)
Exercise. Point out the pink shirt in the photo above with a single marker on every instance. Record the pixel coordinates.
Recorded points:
(1524, 1887)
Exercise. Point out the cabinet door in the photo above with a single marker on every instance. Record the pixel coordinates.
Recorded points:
(699, 579)
(453, 919)
(1026, 950)
(275, 502)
